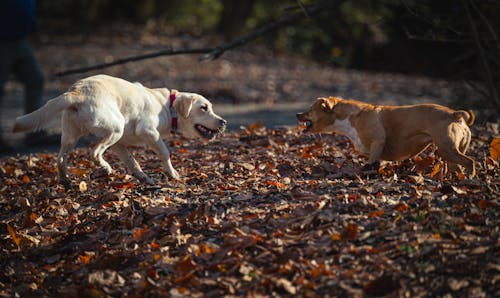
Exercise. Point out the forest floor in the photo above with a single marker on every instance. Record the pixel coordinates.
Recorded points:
(264, 210)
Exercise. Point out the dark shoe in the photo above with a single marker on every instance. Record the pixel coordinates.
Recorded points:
(6, 149)
(41, 138)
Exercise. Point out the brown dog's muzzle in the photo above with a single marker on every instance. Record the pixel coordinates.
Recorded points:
(302, 117)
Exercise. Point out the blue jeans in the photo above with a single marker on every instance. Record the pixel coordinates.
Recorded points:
(17, 58)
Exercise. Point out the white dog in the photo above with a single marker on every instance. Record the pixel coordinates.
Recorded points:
(120, 113)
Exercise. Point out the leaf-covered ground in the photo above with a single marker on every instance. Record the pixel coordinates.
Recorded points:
(260, 211)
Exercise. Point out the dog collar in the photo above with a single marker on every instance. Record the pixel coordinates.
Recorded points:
(173, 113)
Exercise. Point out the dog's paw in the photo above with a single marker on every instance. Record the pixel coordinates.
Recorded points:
(64, 180)
(100, 173)
(374, 166)
(147, 180)
(174, 175)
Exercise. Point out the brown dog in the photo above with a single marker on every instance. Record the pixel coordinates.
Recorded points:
(394, 132)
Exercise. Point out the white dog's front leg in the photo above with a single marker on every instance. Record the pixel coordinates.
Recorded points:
(161, 149)
(131, 163)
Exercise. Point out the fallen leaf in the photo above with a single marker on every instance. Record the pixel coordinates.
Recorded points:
(377, 213)
(495, 149)
(483, 204)
(14, 236)
(287, 285)
(85, 259)
(435, 170)
(401, 207)
(83, 186)
(350, 232)
(185, 265)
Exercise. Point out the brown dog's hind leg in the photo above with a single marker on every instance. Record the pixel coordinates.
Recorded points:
(454, 157)
(464, 143)
(453, 147)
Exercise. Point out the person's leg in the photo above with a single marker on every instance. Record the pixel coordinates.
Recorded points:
(31, 75)
(7, 56)
(29, 72)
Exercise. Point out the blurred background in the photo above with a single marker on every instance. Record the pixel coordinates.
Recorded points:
(387, 51)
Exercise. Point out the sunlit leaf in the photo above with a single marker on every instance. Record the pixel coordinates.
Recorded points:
(138, 233)
(14, 236)
(124, 185)
(79, 172)
(85, 259)
(495, 149)
(252, 127)
(401, 207)
(377, 213)
(435, 170)
(336, 237)
(275, 183)
(83, 186)
(155, 245)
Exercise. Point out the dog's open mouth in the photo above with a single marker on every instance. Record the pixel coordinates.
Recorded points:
(207, 132)
(306, 124)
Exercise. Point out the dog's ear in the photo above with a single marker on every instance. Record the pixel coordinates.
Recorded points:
(183, 105)
(327, 104)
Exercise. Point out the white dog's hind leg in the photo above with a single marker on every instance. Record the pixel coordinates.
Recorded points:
(131, 163)
(102, 146)
(69, 138)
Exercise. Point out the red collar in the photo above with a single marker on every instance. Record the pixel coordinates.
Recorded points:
(173, 113)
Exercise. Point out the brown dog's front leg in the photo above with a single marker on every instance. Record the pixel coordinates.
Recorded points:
(376, 149)
(369, 167)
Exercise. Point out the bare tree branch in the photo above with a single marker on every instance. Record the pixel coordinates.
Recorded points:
(434, 38)
(483, 59)
(301, 5)
(426, 20)
(169, 52)
(487, 23)
(216, 52)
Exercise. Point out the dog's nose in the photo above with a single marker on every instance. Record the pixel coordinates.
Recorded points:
(298, 115)
(223, 122)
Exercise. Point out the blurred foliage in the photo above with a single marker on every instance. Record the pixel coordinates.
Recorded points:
(394, 35)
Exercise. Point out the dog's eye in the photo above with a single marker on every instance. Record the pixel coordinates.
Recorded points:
(204, 108)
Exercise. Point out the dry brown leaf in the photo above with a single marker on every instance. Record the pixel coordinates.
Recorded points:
(14, 236)
(495, 149)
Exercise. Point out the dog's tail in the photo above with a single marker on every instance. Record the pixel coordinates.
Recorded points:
(36, 120)
(468, 116)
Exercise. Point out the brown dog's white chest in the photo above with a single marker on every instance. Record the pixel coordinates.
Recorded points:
(344, 127)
